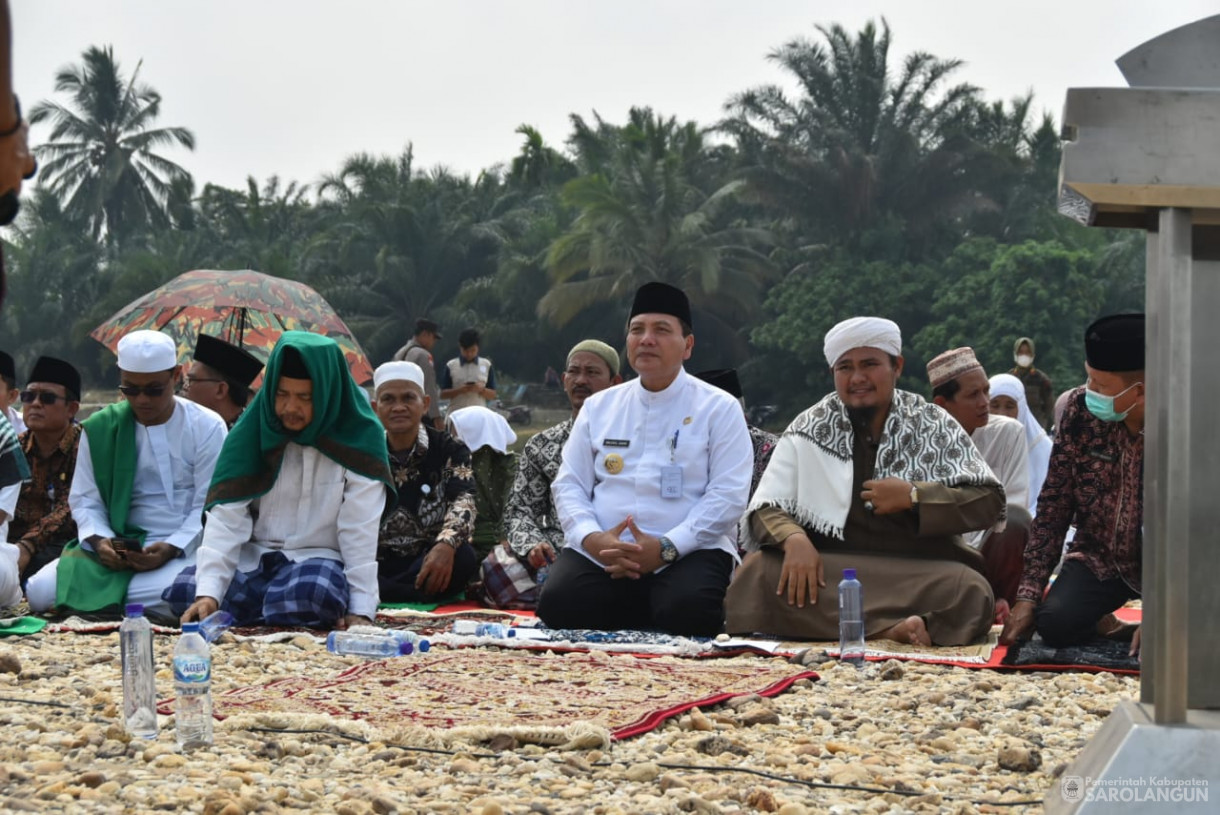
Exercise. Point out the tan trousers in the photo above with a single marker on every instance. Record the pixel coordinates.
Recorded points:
(954, 600)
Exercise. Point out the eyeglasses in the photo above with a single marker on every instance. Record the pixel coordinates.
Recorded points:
(191, 380)
(42, 397)
(152, 391)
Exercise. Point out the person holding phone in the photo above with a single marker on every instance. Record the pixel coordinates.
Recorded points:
(142, 473)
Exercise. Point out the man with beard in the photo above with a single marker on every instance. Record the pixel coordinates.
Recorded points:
(878, 480)
(511, 573)
(293, 509)
(142, 471)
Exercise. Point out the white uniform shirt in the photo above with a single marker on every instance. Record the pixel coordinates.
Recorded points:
(316, 508)
(1002, 444)
(629, 426)
(174, 463)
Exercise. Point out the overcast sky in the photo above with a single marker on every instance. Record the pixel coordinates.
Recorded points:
(272, 87)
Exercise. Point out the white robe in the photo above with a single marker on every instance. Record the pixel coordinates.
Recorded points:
(1002, 444)
(174, 463)
(16, 420)
(10, 582)
(638, 428)
(316, 508)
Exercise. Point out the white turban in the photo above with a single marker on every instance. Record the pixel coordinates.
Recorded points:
(478, 427)
(398, 372)
(147, 352)
(862, 332)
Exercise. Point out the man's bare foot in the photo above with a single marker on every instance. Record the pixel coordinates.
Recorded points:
(911, 630)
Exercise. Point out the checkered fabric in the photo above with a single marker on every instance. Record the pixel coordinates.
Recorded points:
(311, 593)
(507, 582)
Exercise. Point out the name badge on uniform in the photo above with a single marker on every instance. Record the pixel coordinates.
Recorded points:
(614, 464)
(616, 442)
(671, 481)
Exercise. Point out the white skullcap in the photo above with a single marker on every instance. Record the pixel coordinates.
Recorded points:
(147, 352)
(398, 372)
(862, 332)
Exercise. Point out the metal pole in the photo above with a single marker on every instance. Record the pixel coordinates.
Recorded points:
(1172, 356)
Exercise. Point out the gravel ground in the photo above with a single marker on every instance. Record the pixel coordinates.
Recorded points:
(923, 738)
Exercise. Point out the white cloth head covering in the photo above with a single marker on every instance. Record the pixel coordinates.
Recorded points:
(478, 427)
(862, 332)
(398, 372)
(147, 352)
(1036, 440)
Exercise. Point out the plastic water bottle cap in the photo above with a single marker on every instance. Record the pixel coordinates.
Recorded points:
(849, 574)
(135, 609)
(512, 632)
(425, 646)
(405, 648)
(190, 628)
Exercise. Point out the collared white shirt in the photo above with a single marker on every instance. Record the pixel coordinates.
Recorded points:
(174, 464)
(621, 440)
(316, 508)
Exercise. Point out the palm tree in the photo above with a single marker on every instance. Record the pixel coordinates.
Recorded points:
(100, 158)
(656, 213)
(861, 142)
(399, 244)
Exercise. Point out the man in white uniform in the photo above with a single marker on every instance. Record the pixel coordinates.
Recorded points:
(654, 478)
(960, 386)
(9, 392)
(142, 471)
(296, 500)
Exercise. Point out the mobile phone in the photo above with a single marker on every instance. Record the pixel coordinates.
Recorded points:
(122, 546)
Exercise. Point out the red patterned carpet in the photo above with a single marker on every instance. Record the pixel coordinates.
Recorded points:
(483, 693)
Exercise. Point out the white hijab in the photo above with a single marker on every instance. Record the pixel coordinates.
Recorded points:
(1036, 440)
(480, 427)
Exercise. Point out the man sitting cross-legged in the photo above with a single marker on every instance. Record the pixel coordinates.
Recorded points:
(961, 387)
(292, 513)
(142, 472)
(510, 573)
(423, 552)
(42, 523)
(879, 480)
(654, 477)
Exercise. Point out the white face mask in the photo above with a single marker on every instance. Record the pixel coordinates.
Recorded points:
(1024, 360)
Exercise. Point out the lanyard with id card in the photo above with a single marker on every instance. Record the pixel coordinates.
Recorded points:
(671, 474)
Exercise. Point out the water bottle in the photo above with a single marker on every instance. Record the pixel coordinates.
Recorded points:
(542, 574)
(368, 644)
(851, 619)
(139, 676)
(477, 629)
(422, 644)
(215, 624)
(193, 689)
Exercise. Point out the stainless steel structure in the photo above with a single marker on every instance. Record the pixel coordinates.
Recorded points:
(1148, 157)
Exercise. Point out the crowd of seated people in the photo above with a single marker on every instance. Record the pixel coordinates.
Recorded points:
(306, 502)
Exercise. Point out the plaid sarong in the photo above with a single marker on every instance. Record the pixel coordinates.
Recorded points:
(281, 592)
(508, 582)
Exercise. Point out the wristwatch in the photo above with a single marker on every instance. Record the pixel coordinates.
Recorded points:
(669, 552)
(914, 495)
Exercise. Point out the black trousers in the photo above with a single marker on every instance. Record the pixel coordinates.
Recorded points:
(1076, 603)
(396, 576)
(687, 598)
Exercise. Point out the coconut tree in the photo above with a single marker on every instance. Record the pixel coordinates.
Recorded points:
(101, 160)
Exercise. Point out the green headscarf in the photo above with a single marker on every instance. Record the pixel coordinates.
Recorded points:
(344, 427)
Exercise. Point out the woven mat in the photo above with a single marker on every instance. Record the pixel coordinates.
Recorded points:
(575, 700)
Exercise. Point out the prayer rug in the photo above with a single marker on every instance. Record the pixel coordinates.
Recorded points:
(1098, 654)
(573, 700)
(17, 626)
(977, 655)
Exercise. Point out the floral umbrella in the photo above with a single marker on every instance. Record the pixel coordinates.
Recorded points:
(247, 309)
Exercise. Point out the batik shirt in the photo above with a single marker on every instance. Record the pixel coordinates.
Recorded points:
(530, 514)
(43, 515)
(764, 443)
(1095, 480)
(436, 496)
